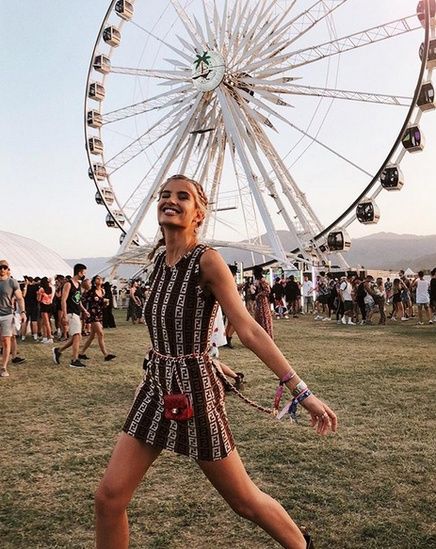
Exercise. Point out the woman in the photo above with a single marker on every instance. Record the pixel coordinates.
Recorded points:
(45, 299)
(262, 311)
(108, 315)
(95, 304)
(134, 311)
(397, 303)
(187, 281)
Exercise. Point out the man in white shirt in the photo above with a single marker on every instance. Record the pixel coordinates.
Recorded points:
(422, 297)
(308, 295)
(345, 289)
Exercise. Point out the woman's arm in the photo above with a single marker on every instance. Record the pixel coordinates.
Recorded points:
(217, 278)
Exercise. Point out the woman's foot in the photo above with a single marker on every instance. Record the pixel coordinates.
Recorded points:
(109, 357)
(239, 380)
(83, 357)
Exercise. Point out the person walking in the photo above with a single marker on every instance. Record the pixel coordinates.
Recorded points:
(45, 300)
(345, 289)
(422, 297)
(9, 291)
(71, 309)
(95, 303)
(262, 311)
(108, 314)
(179, 406)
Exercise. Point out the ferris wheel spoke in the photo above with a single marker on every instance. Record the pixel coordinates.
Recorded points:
(353, 41)
(171, 47)
(210, 35)
(189, 26)
(239, 21)
(161, 101)
(167, 124)
(176, 75)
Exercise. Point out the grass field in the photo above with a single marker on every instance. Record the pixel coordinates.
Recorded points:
(370, 486)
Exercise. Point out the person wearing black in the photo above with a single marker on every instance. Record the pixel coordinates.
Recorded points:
(108, 315)
(360, 299)
(277, 293)
(32, 306)
(292, 291)
(71, 309)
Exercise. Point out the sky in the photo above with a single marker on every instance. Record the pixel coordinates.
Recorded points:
(45, 192)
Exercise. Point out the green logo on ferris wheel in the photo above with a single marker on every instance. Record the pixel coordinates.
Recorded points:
(205, 58)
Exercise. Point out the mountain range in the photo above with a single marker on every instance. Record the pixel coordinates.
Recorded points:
(382, 251)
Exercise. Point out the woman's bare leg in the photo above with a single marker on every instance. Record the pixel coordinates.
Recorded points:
(89, 339)
(231, 480)
(98, 328)
(129, 462)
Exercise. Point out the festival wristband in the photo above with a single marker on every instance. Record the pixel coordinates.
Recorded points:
(302, 396)
(279, 391)
(300, 387)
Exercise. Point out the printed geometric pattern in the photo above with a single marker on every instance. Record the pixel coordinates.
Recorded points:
(180, 318)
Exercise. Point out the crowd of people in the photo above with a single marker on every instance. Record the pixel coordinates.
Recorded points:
(349, 299)
(47, 311)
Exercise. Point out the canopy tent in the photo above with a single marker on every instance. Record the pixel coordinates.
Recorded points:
(28, 257)
(408, 272)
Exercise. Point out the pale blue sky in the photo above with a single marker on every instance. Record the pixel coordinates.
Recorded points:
(45, 192)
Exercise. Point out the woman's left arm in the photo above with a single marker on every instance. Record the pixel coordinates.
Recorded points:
(217, 278)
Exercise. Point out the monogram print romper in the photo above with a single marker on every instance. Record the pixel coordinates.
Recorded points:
(180, 318)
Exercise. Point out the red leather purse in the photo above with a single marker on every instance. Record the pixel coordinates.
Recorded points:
(178, 407)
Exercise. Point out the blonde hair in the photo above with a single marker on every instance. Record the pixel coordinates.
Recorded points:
(200, 198)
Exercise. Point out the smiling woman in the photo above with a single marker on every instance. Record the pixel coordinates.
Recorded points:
(179, 405)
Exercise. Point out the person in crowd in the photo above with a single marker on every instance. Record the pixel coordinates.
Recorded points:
(9, 291)
(95, 305)
(32, 307)
(45, 300)
(360, 293)
(376, 291)
(406, 296)
(432, 291)
(108, 311)
(388, 290)
(345, 289)
(61, 333)
(397, 302)
(322, 296)
(179, 406)
(72, 308)
(422, 297)
(229, 327)
(249, 292)
(86, 325)
(278, 292)
(115, 296)
(307, 295)
(262, 312)
(134, 311)
(292, 296)
(339, 304)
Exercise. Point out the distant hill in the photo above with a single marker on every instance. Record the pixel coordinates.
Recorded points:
(383, 251)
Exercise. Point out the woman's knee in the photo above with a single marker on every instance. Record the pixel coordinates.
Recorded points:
(110, 499)
(247, 506)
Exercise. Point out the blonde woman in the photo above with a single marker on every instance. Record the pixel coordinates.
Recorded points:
(179, 406)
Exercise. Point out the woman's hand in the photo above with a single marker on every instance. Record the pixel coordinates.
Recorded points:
(322, 418)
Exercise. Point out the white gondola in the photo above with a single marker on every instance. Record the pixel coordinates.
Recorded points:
(367, 212)
(124, 9)
(135, 241)
(104, 196)
(392, 178)
(102, 64)
(115, 218)
(413, 140)
(426, 97)
(420, 12)
(98, 171)
(112, 36)
(94, 119)
(431, 57)
(95, 145)
(96, 91)
(339, 240)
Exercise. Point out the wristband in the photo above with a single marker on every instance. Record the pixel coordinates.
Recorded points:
(300, 387)
(279, 391)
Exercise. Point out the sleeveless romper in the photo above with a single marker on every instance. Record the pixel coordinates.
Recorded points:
(180, 318)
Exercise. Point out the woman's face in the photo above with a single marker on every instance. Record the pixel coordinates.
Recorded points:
(177, 205)
(98, 281)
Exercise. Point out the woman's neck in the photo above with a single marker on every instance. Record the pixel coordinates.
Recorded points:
(177, 245)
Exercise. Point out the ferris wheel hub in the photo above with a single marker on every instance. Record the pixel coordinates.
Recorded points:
(208, 70)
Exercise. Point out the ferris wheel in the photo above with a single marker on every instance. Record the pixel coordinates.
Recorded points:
(269, 105)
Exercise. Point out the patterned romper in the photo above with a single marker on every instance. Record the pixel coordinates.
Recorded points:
(180, 319)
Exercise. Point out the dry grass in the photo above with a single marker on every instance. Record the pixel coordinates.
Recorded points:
(371, 486)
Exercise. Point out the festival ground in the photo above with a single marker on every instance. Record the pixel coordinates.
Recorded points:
(370, 486)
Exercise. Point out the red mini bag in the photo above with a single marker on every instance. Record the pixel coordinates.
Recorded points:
(178, 407)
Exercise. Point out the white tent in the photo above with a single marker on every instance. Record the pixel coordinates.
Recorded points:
(28, 257)
(408, 272)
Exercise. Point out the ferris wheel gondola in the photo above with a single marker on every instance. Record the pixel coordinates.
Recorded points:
(217, 102)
